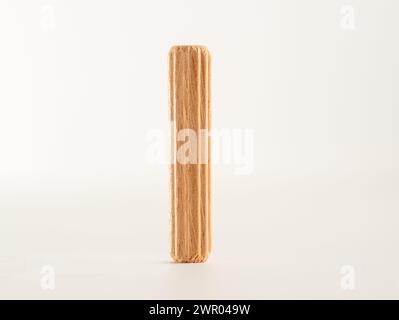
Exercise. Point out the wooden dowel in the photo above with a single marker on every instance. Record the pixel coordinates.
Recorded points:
(189, 94)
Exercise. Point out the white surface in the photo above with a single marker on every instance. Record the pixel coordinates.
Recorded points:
(81, 84)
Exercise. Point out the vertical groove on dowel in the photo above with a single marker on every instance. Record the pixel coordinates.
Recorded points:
(189, 98)
(199, 112)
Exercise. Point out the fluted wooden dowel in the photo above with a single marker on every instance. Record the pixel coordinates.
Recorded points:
(189, 92)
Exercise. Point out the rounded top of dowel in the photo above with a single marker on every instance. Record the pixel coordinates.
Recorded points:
(188, 48)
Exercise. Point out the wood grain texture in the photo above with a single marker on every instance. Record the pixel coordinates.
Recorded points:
(189, 92)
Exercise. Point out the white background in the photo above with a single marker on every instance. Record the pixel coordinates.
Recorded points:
(82, 83)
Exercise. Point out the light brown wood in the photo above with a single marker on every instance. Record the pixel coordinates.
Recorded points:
(189, 92)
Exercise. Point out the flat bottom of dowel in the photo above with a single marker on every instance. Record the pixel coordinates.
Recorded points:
(194, 259)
